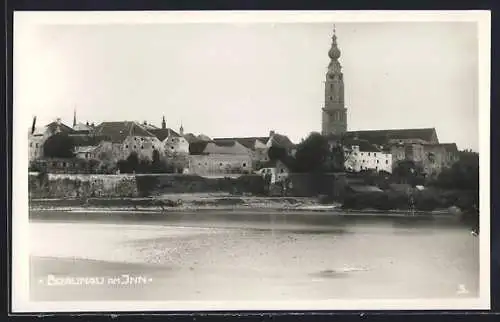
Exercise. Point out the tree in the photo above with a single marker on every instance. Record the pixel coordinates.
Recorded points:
(463, 174)
(312, 153)
(409, 172)
(133, 161)
(276, 153)
(59, 145)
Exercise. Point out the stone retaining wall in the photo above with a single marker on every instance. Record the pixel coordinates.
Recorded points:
(81, 185)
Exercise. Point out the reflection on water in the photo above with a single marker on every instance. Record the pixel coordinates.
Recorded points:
(272, 257)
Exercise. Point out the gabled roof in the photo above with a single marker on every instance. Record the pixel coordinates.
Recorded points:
(282, 140)
(118, 131)
(162, 134)
(80, 127)
(149, 126)
(382, 136)
(55, 127)
(226, 147)
(88, 140)
(248, 142)
(197, 147)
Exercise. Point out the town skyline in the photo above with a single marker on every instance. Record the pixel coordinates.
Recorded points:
(93, 59)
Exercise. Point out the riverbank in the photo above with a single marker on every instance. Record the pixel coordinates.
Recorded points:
(212, 202)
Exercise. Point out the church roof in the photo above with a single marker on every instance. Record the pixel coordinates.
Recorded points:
(162, 134)
(449, 147)
(119, 131)
(382, 136)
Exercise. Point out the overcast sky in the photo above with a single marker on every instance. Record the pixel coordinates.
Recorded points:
(227, 80)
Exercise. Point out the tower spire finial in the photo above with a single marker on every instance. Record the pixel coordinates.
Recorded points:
(74, 117)
(163, 123)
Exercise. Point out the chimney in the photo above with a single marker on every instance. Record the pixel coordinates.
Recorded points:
(271, 133)
(145, 123)
(58, 120)
(87, 123)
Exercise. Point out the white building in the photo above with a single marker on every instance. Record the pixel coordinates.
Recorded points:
(364, 156)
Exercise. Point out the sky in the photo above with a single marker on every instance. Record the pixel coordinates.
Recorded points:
(245, 79)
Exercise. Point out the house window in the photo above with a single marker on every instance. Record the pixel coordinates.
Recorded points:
(142, 139)
(220, 164)
(244, 165)
(374, 154)
(37, 145)
(386, 161)
(331, 98)
(361, 153)
(135, 146)
(377, 161)
(368, 153)
(31, 144)
(142, 146)
(126, 146)
(171, 147)
(64, 164)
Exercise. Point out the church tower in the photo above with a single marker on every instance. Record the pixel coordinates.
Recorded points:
(334, 118)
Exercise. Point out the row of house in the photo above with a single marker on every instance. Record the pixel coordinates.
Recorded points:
(110, 142)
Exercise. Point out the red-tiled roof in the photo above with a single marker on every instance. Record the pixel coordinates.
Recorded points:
(162, 134)
(382, 136)
(118, 131)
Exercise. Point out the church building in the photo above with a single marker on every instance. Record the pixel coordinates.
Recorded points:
(418, 145)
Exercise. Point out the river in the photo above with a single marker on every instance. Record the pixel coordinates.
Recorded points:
(273, 257)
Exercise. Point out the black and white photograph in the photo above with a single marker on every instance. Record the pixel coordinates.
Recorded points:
(193, 161)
